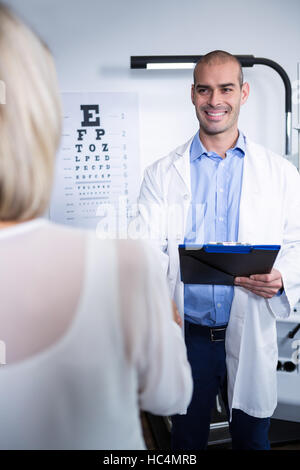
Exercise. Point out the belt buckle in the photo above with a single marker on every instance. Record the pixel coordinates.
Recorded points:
(212, 334)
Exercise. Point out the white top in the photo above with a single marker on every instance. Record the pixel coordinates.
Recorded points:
(89, 338)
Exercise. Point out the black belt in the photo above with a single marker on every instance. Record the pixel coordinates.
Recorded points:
(215, 334)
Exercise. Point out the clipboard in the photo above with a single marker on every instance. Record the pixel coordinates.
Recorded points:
(220, 263)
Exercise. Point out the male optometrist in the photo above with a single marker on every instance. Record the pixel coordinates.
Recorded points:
(221, 186)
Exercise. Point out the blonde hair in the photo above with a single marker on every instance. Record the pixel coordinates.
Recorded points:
(30, 120)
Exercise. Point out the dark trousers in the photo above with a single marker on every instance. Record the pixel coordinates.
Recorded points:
(191, 431)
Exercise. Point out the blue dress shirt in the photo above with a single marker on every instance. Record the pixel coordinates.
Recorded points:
(213, 217)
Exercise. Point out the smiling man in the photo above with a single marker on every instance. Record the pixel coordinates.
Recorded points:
(217, 94)
(225, 188)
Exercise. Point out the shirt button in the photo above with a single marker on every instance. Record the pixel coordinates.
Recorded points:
(219, 305)
(185, 197)
(221, 190)
(221, 219)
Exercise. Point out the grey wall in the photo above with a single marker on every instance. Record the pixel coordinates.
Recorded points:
(92, 41)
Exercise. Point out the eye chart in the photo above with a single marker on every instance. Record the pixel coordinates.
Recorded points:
(97, 167)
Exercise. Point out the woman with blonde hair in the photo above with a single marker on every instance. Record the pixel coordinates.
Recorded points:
(87, 324)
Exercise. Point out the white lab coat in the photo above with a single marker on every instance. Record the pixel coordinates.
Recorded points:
(269, 214)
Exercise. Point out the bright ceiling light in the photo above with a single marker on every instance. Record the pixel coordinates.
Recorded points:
(174, 65)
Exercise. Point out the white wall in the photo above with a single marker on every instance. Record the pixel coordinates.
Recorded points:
(92, 41)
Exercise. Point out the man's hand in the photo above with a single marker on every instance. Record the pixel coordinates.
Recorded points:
(264, 285)
(176, 314)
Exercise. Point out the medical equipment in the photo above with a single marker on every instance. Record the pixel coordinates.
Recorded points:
(288, 336)
(288, 368)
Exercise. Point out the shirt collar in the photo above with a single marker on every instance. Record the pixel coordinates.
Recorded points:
(198, 149)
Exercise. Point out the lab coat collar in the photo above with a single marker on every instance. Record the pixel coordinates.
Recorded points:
(198, 149)
(181, 161)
